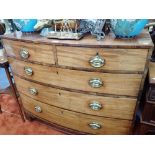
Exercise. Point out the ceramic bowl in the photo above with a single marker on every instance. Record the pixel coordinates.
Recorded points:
(127, 28)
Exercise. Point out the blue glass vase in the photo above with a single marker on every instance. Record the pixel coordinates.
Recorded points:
(25, 25)
(128, 28)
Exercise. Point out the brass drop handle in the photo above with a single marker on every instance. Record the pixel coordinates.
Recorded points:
(28, 71)
(95, 82)
(33, 91)
(95, 105)
(95, 125)
(24, 53)
(97, 61)
(38, 109)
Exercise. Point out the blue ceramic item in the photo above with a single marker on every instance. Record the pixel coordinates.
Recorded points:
(25, 25)
(128, 28)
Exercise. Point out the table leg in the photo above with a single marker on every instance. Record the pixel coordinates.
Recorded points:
(14, 92)
(0, 109)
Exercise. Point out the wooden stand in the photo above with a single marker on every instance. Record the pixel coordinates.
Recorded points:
(147, 111)
(5, 65)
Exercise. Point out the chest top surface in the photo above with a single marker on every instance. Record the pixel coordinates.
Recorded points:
(142, 41)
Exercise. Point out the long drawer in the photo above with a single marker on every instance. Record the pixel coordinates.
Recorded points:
(119, 84)
(30, 51)
(89, 104)
(102, 58)
(77, 121)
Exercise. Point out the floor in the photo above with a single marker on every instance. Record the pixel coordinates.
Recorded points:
(10, 120)
(11, 123)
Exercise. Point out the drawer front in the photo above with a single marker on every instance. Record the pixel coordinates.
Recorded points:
(149, 113)
(106, 59)
(77, 121)
(119, 84)
(30, 51)
(145, 129)
(89, 104)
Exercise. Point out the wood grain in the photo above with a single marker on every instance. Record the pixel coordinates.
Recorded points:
(61, 72)
(39, 53)
(89, 41)
(115, 59)
(119, 84)
(112, 107)
(75, 120)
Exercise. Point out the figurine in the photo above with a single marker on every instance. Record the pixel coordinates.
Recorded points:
(95, 27)
(43, 23)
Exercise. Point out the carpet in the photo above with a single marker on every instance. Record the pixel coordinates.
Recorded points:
(11, 123)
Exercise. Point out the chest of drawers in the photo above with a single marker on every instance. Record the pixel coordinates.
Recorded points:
(82, 87)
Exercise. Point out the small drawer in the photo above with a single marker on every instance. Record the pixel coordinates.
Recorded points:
(118, 84)
(77, 121)
(122, 108)
(30, 51)
(102, 58)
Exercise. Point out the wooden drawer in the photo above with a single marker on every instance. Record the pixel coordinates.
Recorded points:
(148, 114)
(145, 128)
(115, 59)
(110, 107)
(75, 120)
(119, 84)
(36, 52)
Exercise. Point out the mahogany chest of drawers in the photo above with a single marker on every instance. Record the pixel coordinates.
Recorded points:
(81, 87)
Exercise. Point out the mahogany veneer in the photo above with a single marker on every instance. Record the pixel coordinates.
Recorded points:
(82, 87)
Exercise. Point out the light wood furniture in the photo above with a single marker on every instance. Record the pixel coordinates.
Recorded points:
(81, 87)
